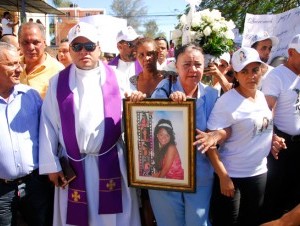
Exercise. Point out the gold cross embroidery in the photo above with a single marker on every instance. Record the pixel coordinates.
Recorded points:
(75, 196)
(111, 185)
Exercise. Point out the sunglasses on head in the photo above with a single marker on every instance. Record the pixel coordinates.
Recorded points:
(88, 46)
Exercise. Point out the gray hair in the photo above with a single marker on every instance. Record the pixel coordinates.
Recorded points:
(30, 24)
(7, 46)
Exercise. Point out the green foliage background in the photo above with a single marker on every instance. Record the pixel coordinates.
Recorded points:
(237, 9)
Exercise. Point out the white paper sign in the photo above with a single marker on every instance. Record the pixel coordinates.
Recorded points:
(108, 27)
(284, 26)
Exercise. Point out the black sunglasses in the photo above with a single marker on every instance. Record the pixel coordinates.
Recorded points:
(88, 46)
(130, 44)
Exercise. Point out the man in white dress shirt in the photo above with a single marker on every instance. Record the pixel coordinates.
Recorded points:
(78, 120)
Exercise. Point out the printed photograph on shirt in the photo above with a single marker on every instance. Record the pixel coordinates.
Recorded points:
(262, 124)
(159, 136)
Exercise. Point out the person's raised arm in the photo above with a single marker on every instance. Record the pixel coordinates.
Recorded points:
(291, 218)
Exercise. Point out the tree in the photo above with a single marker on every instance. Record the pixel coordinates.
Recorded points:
(61, 3)
(132, 10)
(236, 9)
(151, 29)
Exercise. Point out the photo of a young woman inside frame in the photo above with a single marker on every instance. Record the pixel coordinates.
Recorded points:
(159, 137)
(158, 152)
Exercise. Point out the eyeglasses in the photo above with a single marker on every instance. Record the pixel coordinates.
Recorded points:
(88, 46)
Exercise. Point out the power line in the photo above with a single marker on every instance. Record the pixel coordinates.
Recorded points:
(147, 15)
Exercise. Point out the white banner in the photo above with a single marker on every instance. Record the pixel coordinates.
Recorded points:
(284, 26)
(108, 27)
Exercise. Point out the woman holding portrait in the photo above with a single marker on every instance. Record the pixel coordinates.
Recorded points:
(183, 208)
(145, 83)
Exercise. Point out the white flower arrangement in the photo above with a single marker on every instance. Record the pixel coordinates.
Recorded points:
(207, 28)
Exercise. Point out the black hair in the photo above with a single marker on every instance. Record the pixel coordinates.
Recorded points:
(162, 39)
(145, 40)
(159, 152)
(254, 45)
(5, 13)
(64, 40)
(182, 49)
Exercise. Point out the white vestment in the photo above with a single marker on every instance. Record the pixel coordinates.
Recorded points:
(89, 124)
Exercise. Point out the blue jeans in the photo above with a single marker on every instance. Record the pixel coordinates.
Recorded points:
(181, 209)
(36, 206)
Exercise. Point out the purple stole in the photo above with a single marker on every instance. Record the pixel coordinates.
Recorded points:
(137, 65)
(110, 193)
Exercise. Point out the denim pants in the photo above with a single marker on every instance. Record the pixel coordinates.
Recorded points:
(36, 206)
(181, 209)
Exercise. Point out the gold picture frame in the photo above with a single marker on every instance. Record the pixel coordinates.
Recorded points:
(159, 135)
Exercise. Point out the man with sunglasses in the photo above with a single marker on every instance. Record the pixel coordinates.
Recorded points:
(81, 117)
(39, 66)
(126, 60)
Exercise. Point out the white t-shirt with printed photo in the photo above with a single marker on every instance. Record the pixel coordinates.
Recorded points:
(244, 152)
(284, 84)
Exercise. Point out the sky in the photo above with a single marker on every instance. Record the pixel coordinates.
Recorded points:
(156, 8)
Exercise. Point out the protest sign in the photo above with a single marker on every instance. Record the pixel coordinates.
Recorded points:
(108, 28)
(284, 26)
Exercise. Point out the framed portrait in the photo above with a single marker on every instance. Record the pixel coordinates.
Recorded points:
(159, 137)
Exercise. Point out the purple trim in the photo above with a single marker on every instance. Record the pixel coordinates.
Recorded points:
(115, 61)
(137, 66)
(66, 110)
(109, 162)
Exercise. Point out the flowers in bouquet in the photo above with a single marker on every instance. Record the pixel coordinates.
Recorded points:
(207, 28)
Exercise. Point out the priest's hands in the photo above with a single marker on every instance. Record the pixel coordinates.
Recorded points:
(58, 179)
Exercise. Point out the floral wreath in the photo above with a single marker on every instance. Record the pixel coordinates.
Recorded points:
(207, 28)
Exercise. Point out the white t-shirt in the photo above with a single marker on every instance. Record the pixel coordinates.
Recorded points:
(244, 152)
(127, 68)
(6, 29)
(284, 84)
(270, 68)
(161, 66)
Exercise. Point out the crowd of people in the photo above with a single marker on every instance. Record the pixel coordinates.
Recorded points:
(246, 139)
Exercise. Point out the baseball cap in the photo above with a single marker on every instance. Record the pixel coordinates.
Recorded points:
(263, 35)
(127, 34)
(225, 56)
(83, 29)
(244, 56)
(295, 43)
